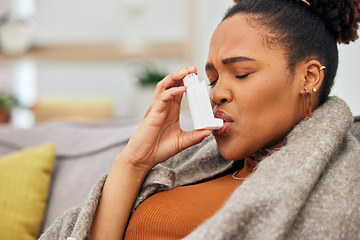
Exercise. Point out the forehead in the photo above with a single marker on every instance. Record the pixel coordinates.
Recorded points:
(236, 36)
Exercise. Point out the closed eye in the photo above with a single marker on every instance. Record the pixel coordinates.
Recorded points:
(238, 77)
(242, 76)
(212, 83)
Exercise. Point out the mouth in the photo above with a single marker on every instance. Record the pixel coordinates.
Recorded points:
(228, 121)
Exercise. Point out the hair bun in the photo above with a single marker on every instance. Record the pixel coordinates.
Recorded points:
(341, 16)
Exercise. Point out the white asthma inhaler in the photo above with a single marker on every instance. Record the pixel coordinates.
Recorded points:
(199, 104)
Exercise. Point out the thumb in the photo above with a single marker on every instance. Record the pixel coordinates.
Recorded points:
(189, 139)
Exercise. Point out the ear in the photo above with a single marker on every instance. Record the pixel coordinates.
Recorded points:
(314, 76)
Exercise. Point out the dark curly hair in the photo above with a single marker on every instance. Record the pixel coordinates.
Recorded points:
(305, 30)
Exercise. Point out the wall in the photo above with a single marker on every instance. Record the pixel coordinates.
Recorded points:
(347, 83)
(109, 21)
(115, 81)
(4, 7)
(127, 23)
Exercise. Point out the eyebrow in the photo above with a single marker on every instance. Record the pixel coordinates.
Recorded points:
(210, 66)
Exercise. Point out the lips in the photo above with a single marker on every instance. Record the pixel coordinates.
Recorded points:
(228, 121)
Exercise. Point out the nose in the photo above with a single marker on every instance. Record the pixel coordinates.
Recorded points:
(220, 93)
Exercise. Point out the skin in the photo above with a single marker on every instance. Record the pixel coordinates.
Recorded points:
(263, 107)
(251, 84)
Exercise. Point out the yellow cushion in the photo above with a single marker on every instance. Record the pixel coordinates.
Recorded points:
(25, 178)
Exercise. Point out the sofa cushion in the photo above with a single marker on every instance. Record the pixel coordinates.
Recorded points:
(24, 187)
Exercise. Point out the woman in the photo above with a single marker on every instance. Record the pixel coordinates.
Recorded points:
(275, 173)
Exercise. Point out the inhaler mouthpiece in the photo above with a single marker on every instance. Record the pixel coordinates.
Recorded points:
(199, 104)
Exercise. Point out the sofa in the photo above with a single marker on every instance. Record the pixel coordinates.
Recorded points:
(83, 153)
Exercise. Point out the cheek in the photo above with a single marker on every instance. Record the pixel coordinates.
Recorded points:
(265, 115)
(268, 97)
(275, 114)
(253, 102)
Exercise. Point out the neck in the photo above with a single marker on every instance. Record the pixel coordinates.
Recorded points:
(249, 167)
(265, 152)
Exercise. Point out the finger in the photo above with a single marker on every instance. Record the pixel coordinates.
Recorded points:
(171, 93)
(174, 93)
(160, 86)
(172, 80)
(175, 79)
(189, 139)
(159, 105)
(168, 95)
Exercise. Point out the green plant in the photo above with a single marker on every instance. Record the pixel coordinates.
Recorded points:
(150, 76)
(7, 101)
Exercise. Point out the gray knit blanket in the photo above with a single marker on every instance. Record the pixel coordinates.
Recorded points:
(308, 189)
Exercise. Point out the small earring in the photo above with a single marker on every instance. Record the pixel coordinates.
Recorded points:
(306, 90)
(314, 89)
(322, 68)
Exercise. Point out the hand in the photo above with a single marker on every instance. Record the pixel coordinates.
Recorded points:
(159, 135)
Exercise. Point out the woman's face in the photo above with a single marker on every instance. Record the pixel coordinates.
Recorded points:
(252, 89)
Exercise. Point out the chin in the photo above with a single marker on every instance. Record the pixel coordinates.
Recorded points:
(231, 153)
(233, 150)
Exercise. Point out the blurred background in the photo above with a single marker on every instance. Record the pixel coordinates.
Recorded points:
(91, 61)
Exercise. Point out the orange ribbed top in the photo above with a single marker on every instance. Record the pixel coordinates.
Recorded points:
(174, 214)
